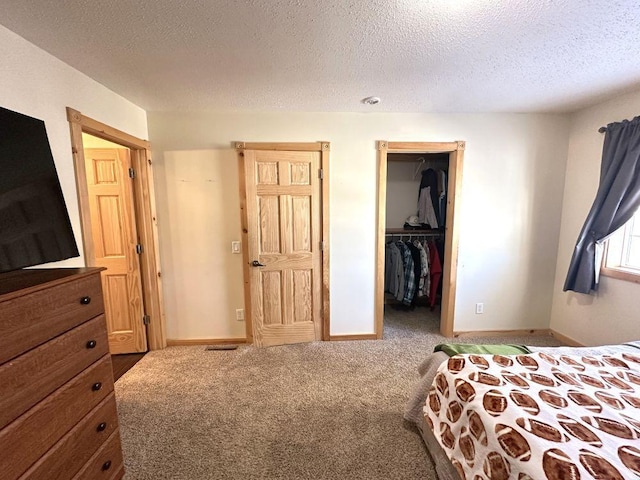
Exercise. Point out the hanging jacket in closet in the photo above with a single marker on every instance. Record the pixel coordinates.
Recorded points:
(435, 271)
(409, 274)
(417, 268)
(442, 197)
(429, 179)
(424, 270)
(394, 271)
(426, 212)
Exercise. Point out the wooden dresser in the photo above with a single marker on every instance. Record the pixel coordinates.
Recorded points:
(58, 416)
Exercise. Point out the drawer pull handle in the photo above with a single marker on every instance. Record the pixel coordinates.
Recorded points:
(102, 427)
(91, 344)
(106, 465)
(96, 386)
(85, 300)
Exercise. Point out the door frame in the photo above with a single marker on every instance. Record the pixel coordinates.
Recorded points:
(452, 225)
(145, 214)
(323, 148)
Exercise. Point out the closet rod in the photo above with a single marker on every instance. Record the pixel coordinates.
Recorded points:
(430, 234)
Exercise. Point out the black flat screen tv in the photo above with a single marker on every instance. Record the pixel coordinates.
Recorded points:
(34, 222)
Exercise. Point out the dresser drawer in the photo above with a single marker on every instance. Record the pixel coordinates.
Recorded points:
(29, 437)
(118, 474)
(27, 379)
(32, 319)
(106, 463)
(77, 446)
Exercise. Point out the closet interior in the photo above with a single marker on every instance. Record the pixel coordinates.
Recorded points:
(415, 221)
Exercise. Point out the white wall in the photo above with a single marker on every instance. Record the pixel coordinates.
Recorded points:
(200, 217)
(509, 213)
(512, 187)
(402, 193)
(611, 315)
(37, 84)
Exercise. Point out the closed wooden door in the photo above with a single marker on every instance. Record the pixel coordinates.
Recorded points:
(113, 229)
(283, 218)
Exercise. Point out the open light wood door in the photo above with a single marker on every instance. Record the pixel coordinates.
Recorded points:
(284, 222)
(114, 238)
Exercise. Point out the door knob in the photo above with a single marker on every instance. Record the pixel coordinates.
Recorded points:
(256, 263)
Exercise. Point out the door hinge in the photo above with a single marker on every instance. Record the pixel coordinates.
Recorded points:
(320, 174)
(132, 173)
(139, 249)
(146, 319)
(321, 245)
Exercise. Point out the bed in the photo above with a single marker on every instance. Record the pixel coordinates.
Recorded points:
(554, 413)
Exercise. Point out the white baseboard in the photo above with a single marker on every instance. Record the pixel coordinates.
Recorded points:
(501, 333)
(566, 340)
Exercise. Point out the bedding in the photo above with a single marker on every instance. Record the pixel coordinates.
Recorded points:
(452, 349)
(556, 413)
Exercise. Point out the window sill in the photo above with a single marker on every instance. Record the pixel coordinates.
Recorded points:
(621, 274)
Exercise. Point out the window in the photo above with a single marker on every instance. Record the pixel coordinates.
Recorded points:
(622, 256)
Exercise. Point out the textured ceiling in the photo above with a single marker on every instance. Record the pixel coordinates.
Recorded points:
(326, 55)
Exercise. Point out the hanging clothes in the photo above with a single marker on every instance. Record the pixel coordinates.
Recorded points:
(424, 268)
(413, 269)
(409, 274)
(427, 278)
(426, 212)
(394, 271)
(442, 197)
(417, 269)
(435, 272)
(429, 198)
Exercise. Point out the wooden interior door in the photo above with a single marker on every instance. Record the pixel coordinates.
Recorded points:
(284, 222)
(113, 228)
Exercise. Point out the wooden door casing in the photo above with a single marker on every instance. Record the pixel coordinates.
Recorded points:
(452, 230)
(284, 233)
(114, 235)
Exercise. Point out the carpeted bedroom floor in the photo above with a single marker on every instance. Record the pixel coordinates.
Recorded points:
(325, 410)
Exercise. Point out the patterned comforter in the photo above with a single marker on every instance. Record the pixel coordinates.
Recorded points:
(539, 416)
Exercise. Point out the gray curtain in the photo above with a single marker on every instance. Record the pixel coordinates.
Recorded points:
(616, 201)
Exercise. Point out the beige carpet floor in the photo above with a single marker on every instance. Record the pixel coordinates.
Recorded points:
(325, 410)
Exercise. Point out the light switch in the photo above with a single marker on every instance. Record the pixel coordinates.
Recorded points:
(235, 247)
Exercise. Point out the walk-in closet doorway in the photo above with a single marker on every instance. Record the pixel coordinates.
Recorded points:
(418, 157)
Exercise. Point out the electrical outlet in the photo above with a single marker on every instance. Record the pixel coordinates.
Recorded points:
(235, 247)
(479, 308)
(240, 314)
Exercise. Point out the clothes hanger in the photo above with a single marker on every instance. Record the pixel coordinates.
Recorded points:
(422, 161)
